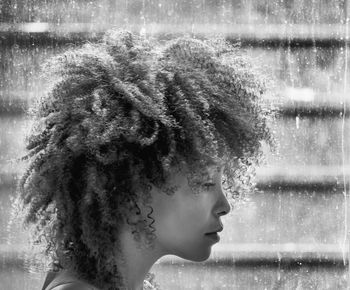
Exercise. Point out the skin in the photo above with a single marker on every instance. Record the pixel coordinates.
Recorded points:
(181, 222)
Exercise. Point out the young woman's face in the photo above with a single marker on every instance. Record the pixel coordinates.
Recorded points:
(184, 219)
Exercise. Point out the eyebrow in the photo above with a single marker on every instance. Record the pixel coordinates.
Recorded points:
(212, 171)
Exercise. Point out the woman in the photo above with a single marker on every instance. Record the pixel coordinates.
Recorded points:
(133, 154)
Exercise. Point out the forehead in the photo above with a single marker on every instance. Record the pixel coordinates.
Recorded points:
(205, 169)
(211, 165)
(211, 170)
(201, 168)
(194, 175)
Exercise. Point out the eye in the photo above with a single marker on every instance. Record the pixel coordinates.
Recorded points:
(208, 185)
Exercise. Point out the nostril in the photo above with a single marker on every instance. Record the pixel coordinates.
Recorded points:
(224, 212)
(226, 208)
(223, 207)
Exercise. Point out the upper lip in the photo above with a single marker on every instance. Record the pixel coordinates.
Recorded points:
(216, 231)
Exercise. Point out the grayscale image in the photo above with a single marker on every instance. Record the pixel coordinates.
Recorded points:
(165, 145)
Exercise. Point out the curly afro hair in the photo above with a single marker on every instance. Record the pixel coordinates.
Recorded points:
(120, 113)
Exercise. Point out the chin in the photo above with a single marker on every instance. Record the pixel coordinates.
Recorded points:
(197, 256)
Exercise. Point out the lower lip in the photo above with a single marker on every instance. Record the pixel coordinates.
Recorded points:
(214, 237)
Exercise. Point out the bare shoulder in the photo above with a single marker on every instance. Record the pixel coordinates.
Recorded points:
(75, 286)
(65, 280)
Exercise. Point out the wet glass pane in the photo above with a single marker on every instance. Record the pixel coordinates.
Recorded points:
(293, 232)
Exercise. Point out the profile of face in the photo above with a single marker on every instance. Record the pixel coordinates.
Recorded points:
(184, 219)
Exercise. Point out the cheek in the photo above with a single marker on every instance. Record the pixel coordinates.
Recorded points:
(186, 220)
(181, 222)
(181, 231)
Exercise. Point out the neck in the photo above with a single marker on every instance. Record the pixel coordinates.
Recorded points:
(138, 260)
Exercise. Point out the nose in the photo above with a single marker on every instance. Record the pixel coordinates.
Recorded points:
(223, 206)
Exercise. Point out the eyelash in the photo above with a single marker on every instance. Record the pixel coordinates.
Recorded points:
(207, 185)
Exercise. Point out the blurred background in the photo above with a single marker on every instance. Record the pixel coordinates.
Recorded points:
(294, 231)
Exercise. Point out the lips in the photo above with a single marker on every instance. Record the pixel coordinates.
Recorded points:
(213, 237)
(216, 231)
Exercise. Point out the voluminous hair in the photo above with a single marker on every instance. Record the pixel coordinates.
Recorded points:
(120, 113)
